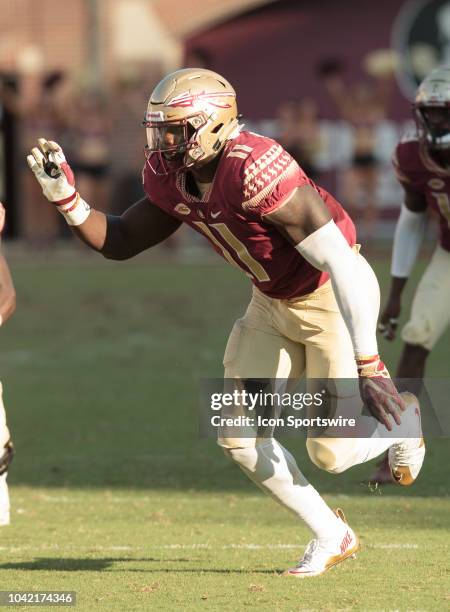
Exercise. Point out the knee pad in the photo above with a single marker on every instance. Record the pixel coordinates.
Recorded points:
(6, 457)
(331, 454)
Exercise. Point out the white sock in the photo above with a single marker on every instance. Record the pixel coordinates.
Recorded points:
(275, 471)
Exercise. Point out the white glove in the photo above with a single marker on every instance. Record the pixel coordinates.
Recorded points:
(56, 178)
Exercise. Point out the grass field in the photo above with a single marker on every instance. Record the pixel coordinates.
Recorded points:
(115, 496)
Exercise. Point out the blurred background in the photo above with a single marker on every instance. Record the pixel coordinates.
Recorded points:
(332, 81)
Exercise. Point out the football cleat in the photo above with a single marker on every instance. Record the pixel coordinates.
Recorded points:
(321, 555)
(406, 457)
(4, 500)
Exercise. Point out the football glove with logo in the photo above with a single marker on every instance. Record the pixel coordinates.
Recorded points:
(55, 176)
(378, 392)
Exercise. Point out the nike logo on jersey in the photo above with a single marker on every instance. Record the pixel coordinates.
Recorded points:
(216, 214)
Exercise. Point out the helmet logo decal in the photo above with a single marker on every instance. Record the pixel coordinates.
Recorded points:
(186, 99)
(154, 116)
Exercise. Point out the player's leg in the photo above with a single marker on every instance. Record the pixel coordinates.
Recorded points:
(430, 316)
(410, 373)
(256, 350)
(6, 455)
(411, 368)
(329, 354)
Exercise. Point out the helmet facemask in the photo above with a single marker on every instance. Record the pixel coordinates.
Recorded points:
(173, 144)
(433, 123)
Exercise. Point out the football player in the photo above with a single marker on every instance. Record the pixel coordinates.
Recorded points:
(422, 164)
(7, 307)
(315, 298)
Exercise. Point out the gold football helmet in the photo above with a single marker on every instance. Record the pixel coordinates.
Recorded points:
(432, 108)
(190, 115)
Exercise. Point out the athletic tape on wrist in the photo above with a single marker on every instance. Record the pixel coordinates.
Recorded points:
(75, 212)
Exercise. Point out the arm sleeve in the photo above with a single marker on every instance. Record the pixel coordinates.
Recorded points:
(354, 284)
(408, 237)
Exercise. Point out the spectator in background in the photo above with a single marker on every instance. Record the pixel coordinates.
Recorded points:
(198, 57)
(363, 105)
(298, 131)
(37, 105)
(286, 118)
(309, 141)
(127, 140)
(87, 138)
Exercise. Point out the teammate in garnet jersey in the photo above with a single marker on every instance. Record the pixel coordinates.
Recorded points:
(422, 164)
(315, 298)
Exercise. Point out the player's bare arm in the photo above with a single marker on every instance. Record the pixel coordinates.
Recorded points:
(7, 291)
(305, 220)
(140, 227)
(302, 214)
(116, 237)
(408, 237)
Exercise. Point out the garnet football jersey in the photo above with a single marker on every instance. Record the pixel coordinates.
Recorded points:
(417, 171)
(255, 176)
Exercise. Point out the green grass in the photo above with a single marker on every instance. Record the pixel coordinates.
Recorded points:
(115, 496)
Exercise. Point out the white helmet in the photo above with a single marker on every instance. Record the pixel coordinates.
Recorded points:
(432, 108)
(190, 115)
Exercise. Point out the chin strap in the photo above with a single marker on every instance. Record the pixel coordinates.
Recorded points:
(238, 127)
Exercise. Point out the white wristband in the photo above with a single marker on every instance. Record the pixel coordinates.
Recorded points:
(75, 213)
